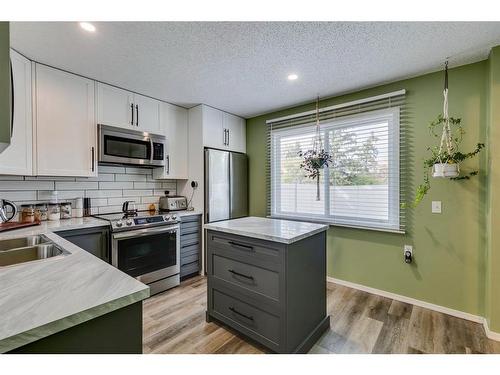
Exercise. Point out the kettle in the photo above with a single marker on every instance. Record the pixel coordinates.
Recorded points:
(4, 216)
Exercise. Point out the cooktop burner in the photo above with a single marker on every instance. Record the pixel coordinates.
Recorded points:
(120, 221)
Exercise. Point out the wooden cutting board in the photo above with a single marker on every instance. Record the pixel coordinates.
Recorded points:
(11, 225)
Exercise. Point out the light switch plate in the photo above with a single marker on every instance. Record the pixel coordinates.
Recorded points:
(436, 207)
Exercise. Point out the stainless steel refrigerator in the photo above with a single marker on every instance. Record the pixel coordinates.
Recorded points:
(226, 185)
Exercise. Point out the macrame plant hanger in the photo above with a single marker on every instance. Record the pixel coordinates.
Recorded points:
(317, 143)
(446, 137)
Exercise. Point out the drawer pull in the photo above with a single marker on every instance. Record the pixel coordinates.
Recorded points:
(236, 244)
(240, 274)
(241, 314)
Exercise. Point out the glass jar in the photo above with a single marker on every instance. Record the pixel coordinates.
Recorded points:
(54, 212)
(41, 213)
(66, 210)
(27, 213)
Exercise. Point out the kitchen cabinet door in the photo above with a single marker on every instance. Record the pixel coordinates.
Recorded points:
(147, 114)
(236, 136)
(213, 130)
(16, 159)
(65, 127)
(115, 106)
(174, 125)
(94, 240)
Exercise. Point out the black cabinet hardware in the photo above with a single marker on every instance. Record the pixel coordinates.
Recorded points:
(168, 164)
(132, 110)
(137, 114)
(240, 274)
(93, 158)
(249, 317)
(227, 144)
(236, 244)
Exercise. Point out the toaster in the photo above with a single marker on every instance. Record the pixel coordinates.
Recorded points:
(173, 203)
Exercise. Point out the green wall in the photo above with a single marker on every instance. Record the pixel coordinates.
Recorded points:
(492, 257)
(449, 248)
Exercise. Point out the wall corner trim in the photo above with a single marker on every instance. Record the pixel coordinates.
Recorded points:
(442, 309)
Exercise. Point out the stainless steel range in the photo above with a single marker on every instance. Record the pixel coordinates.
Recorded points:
(146, 246)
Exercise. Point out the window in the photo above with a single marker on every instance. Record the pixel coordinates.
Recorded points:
(361, 186)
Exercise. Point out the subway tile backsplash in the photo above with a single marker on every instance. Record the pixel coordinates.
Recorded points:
(108, 191)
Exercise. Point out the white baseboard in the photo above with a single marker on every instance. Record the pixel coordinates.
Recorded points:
(445, 310)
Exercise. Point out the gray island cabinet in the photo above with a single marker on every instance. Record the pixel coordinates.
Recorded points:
(267, 280)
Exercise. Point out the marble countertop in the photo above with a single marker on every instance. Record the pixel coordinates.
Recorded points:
(277, 230)
(40, 298)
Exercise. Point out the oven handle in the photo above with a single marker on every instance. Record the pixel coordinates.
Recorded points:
(144, 232)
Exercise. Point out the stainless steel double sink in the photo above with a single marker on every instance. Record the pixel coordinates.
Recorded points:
(28, 249)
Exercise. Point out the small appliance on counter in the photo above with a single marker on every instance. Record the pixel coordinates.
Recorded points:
(173, 203)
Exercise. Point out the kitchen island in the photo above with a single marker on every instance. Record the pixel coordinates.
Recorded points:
(73, 303)
(267, 280)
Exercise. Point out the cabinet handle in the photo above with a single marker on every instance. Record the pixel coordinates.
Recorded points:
(132, 110)
(227, 137)
(224, 137)
(168, 164)
(240, 274)
(249, 317)
(236, 244)
(93, 158)
(137, 115)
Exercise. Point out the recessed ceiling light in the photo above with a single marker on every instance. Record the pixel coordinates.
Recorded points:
(292, 77)
(87, 26)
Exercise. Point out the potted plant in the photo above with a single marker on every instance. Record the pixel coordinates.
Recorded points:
(446, 158)
(315, 159)
(444, 162)
(313, 162)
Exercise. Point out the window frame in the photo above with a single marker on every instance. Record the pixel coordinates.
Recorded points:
(392, 116)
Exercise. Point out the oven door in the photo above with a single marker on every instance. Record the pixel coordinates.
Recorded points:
(147, 254)
(125, 146)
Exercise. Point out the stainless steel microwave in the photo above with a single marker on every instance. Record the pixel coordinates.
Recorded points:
(133, 147)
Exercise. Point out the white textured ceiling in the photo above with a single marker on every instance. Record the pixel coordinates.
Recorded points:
(241, 67)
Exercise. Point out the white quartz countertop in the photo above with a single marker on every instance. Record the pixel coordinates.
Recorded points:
(277, 230)
(40, 298)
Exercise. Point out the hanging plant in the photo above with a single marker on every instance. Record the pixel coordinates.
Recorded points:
(445, 159)
(316, 159)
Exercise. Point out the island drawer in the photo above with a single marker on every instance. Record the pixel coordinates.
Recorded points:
(251, 251)
(244, 315)
(247, 276)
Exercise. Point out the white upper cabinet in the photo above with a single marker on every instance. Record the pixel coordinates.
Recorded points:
(16, 159)
(65, 126)
(174, 125)
(213, 131)
(114, 106)
(223, 130)
(235, 132)
(122, 108)
(147, 113)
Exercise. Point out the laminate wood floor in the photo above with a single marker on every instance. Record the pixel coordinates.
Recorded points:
(174, 322)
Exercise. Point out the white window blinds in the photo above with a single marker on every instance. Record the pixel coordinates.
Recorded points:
(362, 187)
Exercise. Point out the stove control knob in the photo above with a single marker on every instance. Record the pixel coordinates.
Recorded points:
(129, 222)
(119, 223)
(174, 217)
(167, 218)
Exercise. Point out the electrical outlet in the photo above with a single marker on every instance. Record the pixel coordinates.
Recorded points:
(408, 253)
(436, 207)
